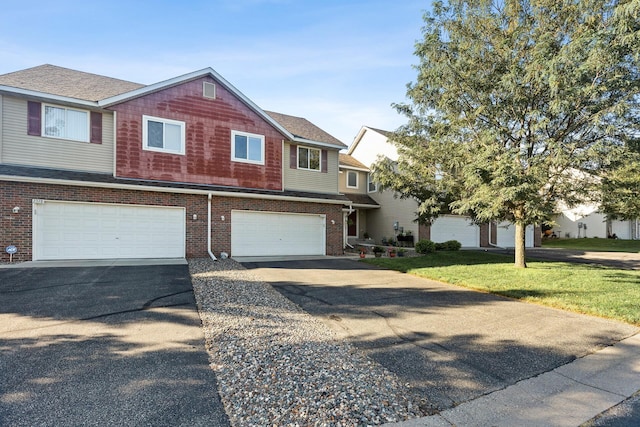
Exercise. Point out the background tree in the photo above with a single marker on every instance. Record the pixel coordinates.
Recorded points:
(517, 104)
(621, 187)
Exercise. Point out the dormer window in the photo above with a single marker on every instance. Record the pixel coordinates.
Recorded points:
(352, 179)
(65, 123)
(247, 147)
(308, 158)
(163, 135)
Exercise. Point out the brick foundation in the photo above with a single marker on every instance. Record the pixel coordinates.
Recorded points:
(16, 228)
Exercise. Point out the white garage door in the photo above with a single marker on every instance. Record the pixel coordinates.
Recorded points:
(70, 230)
(622, 229)
(275, 233)
(456, 228)
(506, 235)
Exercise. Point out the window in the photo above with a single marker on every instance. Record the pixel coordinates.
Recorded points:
(163, 135)
(352, 179)
(373, 187)
(247, 147)
(65, 123)
(308, 158)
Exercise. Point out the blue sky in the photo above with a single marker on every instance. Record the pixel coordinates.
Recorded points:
(339, 64)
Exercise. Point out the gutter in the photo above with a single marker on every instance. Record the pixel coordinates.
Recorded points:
(158, 189)
(213, 257)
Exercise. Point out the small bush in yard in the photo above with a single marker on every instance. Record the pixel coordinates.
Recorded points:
(449, 245)
(425, 247)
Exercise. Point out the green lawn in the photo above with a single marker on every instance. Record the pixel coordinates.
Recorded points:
(594, 244)
(582, 288)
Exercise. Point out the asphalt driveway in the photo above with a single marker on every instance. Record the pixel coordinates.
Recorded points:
(103, 346)
(449, 344)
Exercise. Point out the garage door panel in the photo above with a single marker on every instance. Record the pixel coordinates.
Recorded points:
(455, 228)
(272, 233)
(506, 235)
(69, 230)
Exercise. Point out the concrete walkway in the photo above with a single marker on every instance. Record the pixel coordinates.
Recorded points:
(477, 359)
(566, 396)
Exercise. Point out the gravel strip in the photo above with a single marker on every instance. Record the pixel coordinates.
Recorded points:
(278, 366)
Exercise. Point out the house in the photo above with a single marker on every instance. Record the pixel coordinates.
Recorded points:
(586, 221)
(354, 183)
(93, 167)
(392, 216)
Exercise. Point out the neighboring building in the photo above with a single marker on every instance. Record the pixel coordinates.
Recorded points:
(585, 221)
(353, 182)
(395, 216)
(95, 167)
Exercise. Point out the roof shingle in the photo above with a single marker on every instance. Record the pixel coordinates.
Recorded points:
(347, 160)
(60, 81)
(303, 128)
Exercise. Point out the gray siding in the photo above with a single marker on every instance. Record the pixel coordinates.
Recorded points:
(314, 181)
(18, 148)
(362, 182)
(380, 221)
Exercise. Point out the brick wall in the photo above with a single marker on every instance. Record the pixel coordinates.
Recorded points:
(16, 229)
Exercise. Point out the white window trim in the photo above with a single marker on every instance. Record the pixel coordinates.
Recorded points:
(369, 182)
(309, 148)
(44, 123)
(247, 134)
(352, 186)
(145, 127)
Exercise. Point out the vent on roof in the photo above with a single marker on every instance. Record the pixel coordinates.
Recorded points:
(209, 90)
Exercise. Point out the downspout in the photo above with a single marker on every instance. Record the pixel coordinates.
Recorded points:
(213, 257)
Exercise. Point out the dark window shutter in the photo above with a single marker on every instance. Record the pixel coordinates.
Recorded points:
(293, 157)
(96, 128)
(323, 161)
(34, 118)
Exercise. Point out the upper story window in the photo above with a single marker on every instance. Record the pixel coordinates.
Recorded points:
(352, 179)
(54, 121)
(65, 123)
(372, 186)
(308, 158)
(247, 147)
(167, 136)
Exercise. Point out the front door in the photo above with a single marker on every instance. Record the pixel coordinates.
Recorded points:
(352, 224)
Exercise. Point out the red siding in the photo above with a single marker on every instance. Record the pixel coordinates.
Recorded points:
(209, 122)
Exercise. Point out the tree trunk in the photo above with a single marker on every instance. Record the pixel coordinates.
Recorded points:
(520, 245)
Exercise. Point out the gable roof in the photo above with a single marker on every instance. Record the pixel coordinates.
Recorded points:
(348, 161)
(380, 131)
(387, 134)
(93, 90)
(303, 130)
(54, 80)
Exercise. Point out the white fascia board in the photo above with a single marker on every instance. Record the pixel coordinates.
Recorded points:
(54, 181)
(191, 76)
(357, 139)
(48, 97)
(354, 168)
(316, 143)
(359, 205)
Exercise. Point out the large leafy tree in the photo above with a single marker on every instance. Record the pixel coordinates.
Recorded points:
(517, 104)
(621, 187)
